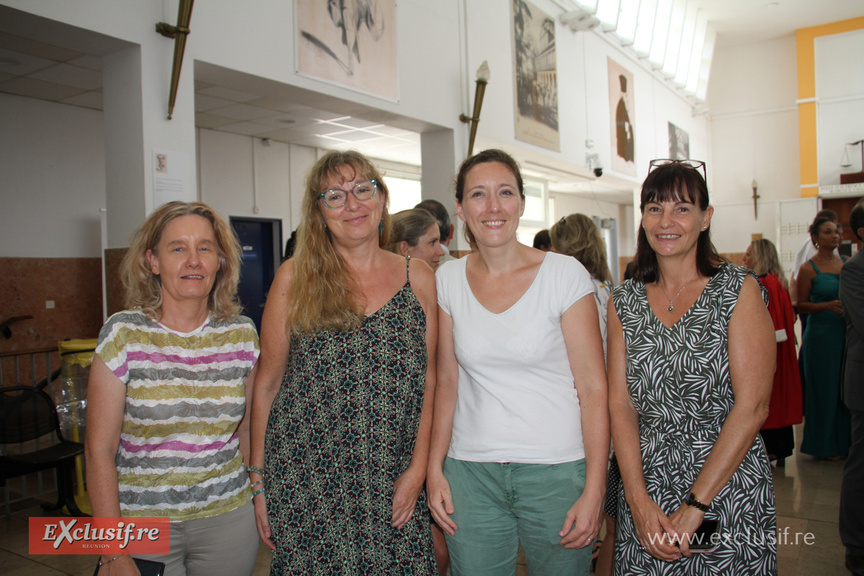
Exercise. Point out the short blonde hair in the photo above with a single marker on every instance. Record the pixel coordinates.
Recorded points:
(323, 293)
(144, 288)
(577, 235)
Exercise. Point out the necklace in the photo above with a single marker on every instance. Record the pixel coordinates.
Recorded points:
(832, 258)
(672, 300)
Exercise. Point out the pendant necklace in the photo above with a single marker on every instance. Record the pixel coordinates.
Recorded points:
(672, 300)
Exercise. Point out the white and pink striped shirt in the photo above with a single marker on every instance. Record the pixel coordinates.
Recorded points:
(185, 396)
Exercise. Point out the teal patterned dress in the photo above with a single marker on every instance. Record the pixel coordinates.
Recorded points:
(681, 387)
(341, 430)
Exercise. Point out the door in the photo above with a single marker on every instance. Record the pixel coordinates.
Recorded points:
(795, 219)
(261, 242)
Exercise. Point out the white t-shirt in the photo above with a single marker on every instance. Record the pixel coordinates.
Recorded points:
(807, 251)
(516, 396)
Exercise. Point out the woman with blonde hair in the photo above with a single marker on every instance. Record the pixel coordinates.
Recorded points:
(416, 234)
(786, 407)
(577, 235)
(342, 411)
(169, 396)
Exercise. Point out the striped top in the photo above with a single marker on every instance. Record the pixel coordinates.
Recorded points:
(185, 396)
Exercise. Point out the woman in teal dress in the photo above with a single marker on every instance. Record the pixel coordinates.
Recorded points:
(827, 425)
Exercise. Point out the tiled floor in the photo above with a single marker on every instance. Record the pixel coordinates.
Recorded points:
(808, 494)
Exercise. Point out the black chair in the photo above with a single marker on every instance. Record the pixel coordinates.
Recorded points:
(27, 413)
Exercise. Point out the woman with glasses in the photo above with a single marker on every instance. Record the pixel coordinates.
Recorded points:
(342, 412)
(691, 361)
(521, 432)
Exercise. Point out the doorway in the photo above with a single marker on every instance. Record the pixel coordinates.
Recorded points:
(261, 242)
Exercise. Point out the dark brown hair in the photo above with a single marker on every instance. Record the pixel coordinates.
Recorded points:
(491, 155)
(676, 182)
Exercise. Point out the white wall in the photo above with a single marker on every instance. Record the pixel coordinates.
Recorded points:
(52, 159)
(754, 128)
(754, 135)
(840, 94)
(436, 67)
(583, 93)
(239, 174)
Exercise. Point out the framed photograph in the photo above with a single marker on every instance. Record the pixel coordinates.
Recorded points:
(536, 76)
(622, 112)
(679, 143)
(351, 43)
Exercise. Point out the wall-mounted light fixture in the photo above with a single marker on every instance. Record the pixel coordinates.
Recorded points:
(178, 33)
(845, 162)
(482, 80)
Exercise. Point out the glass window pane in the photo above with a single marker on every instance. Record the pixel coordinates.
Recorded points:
(404, 194)
(535, 202)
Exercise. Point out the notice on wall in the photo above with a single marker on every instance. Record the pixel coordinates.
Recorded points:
(171, 177)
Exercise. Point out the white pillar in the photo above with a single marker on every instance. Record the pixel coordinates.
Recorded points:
(439, 162)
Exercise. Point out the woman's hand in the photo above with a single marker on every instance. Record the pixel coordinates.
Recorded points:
(261, 520)
(582, 523)
(123, 566)
(406, 490)
(835, 306)
(655, 530)
(686, 519)
(440, 501)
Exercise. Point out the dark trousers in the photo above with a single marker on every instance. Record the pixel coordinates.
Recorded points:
(852, 491)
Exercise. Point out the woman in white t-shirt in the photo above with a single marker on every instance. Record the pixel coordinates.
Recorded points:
(521, 432)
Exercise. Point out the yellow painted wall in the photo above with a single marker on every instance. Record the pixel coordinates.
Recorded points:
(808, 145)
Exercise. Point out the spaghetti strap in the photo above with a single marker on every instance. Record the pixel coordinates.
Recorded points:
(408, 270)
(816, 268)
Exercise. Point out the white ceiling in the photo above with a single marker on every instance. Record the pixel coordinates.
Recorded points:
(52, 61)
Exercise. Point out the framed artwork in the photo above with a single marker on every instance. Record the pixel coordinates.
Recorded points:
(679, 143)
(622, 112)
(351, 43)
(536, 76)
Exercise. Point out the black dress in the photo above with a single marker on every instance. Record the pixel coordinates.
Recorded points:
(341, 430)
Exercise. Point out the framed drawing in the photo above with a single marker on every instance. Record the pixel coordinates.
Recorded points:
(679, 143)
(622, 112)
(536, 76)
(349, 42)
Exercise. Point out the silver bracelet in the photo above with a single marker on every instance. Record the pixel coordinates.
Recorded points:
(103, 562)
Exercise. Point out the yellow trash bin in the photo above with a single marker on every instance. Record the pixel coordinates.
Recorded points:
(70, 397)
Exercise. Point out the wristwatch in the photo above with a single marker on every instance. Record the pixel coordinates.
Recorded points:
(691, 500)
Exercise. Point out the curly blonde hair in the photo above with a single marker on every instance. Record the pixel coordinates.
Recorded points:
(144, 288)
(577, 235)
(323, 294)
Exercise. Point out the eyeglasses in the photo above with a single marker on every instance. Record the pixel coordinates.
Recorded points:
(695, 164)
(336, 197)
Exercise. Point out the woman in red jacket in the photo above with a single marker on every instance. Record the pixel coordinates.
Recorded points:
(786, 408)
